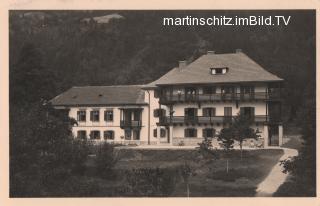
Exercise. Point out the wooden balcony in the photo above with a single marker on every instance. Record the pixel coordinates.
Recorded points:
(261, 96)
(167, 120)
(130, 124)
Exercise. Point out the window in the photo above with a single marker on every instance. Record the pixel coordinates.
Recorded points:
(190, 114)
(81, 116)
(219, 70)
(95, 134)
(156, 113)
(208, 132)
(209, 112)
(190, 93)
(247, 89)
(127, 134)
(108, 115)
(109, 134)
(162, 132)
(228, 114)
(209, 90)
(228, 111)
(155, 133)
(159, 112)
(190, 132)
(136, 134)
(247, 111)
(82, 134)
(94, 116)
(156, 93)
(227, 89)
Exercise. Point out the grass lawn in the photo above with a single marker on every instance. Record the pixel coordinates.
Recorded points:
(211, 179)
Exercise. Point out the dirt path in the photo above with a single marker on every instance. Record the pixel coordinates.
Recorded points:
(276, 177)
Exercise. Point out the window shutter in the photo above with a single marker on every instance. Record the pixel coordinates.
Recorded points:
(241, 111)
(213, 111)
(91, 115)
(186, 133)
(78, 115)
(195, 132)
(252, 111)
(204, 132)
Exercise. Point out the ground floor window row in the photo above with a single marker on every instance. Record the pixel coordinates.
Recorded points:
(193, 132)
(129, 134)
(188, 132)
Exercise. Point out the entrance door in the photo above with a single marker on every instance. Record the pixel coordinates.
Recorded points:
(273, 135)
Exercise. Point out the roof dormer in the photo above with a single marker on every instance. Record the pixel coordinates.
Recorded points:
(218, 70)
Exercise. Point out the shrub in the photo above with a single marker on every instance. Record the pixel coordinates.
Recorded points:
(151, 182)
(80, 152)
(206, 149)
(106, 159)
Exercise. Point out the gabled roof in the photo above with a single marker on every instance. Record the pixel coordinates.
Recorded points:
(101, 95)
(240, 69)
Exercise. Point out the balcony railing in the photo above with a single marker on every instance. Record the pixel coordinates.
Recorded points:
(130, 123)
(167, 120)
(170, 98)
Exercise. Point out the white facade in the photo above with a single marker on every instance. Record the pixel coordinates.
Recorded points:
(151, 131)
(182, 107)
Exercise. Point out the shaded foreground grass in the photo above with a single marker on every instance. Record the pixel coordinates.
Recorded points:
(211, 179)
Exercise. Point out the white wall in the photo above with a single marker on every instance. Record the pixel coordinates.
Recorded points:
(103, 125)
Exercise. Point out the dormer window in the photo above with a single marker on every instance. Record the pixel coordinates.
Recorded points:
(219, 70)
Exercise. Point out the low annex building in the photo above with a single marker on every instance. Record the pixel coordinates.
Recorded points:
(190, 102)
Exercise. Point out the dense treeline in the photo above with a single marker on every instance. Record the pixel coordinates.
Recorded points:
(138, 49)
(54, 50)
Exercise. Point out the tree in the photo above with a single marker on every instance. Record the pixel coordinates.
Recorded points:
(303, 167)
(226, 139)
(241, 130)
(30, 80)
(43, 152)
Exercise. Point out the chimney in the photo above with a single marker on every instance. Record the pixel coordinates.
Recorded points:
(182, 64)
(238, 50)
(211, 52)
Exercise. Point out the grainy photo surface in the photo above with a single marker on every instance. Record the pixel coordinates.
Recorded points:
(179, 103)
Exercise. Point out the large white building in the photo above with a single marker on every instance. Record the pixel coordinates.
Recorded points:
(190, 102)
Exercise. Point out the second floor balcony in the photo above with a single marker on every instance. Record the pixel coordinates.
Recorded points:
(263, 96)
(167, 120)
(130, 123)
